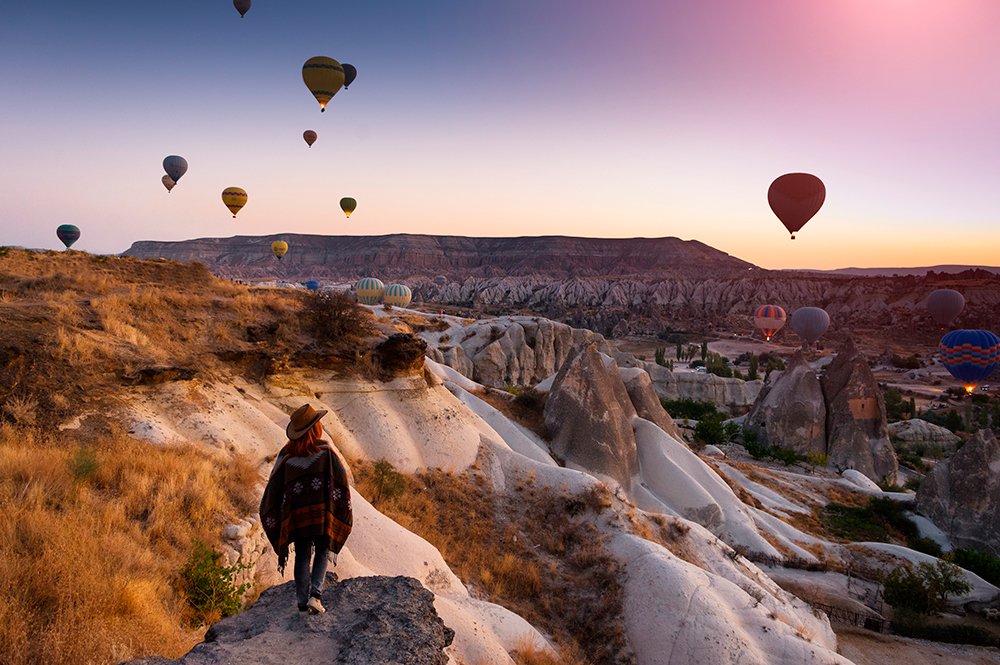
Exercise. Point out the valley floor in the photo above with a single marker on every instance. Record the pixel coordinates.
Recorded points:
(867, 648)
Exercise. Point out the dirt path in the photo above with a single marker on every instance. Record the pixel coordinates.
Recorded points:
(867, 648)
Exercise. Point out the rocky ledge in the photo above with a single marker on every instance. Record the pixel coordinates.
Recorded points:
(369, 621)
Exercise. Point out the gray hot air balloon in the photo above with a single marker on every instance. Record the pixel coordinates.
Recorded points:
(944, 305)
(175, 167)
(440, 280)
(810, 323)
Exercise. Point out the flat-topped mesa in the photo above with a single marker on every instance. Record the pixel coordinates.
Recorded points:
(406, 254)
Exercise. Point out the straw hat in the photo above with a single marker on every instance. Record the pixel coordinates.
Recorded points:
(302, 421)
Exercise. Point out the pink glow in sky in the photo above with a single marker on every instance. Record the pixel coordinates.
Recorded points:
(638, 118)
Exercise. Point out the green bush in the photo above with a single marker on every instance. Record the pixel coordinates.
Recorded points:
(209, 586)
(732, 430)
(913, 362)
(881, 520)
(981, 563)
(953, 421)
(388, 482)
(925, 590)
(84, 465)
(925, 545)
(689, 408)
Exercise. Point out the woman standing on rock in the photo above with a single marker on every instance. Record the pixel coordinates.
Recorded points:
(307, 501)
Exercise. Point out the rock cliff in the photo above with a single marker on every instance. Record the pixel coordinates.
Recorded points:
(369, 621)
(518, 350)
(857, 436)
(841, 414)
(590, 412)
(962, 494)
(790, 411)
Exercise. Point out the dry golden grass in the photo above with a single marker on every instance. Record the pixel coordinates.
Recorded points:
(92, 536)
(528, 554)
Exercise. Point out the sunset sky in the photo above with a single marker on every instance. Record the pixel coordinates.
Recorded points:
(524, 117)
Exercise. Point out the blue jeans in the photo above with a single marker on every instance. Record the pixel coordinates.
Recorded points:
(306, 583)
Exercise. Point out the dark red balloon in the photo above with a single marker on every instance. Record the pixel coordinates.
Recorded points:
(242, 6)
(795, 198)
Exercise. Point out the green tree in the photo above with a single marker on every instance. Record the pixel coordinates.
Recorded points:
(754, 364)
(704, 350)
(680, 350)
(925, 590)
(388, 482)
(710, 431)
(953, 421)
(660, 356)
(894, 405)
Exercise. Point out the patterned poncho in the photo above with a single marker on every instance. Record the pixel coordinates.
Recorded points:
(307, 498)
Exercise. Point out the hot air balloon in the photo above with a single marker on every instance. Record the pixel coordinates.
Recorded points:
(234, 198)
(944, 305)
(397, 295)
(310, 137)
(970, 355)
(440, 280)
(810, 323)
(795, 198)
(347, 204)
(324, 77)
(770, 319)
(68, 234)
(279, 247)
(168, 182)
(312, 285)
(242, 6)
(175, 167)
(350, 73)
(369, 290)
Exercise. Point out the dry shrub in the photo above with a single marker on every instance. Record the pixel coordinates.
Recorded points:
(335, 320)
(92, 536)
(529, 555)
(530, 652)
(527, 407)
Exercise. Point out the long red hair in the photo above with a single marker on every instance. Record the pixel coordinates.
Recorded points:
(307, 445)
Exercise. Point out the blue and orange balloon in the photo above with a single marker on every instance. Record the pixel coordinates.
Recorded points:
(369, 290)
(312, 285)
(770, 319)
(970, 355)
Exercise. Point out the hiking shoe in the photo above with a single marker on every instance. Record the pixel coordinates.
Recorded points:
(315, 606)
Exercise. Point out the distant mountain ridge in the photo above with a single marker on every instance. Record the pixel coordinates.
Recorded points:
(902, 272)
(404, 255)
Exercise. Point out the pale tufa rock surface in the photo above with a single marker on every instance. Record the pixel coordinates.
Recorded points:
(962, 494)
(916, 430)
(590, 414)
(791, 411)
(857, 436)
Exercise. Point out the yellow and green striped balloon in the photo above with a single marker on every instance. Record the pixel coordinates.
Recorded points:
(324, 77)
(369, 290)
(397, 295)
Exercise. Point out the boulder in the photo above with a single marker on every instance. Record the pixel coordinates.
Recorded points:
(645, 401)
(916, 430)
(790, 411)
(962, 494)
(368, 620)
(589, 414)
(857, 436)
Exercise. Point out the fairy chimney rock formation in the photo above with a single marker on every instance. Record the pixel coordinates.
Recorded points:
(790, 412)
(590, 414)
(857, 436)
(962, 494)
